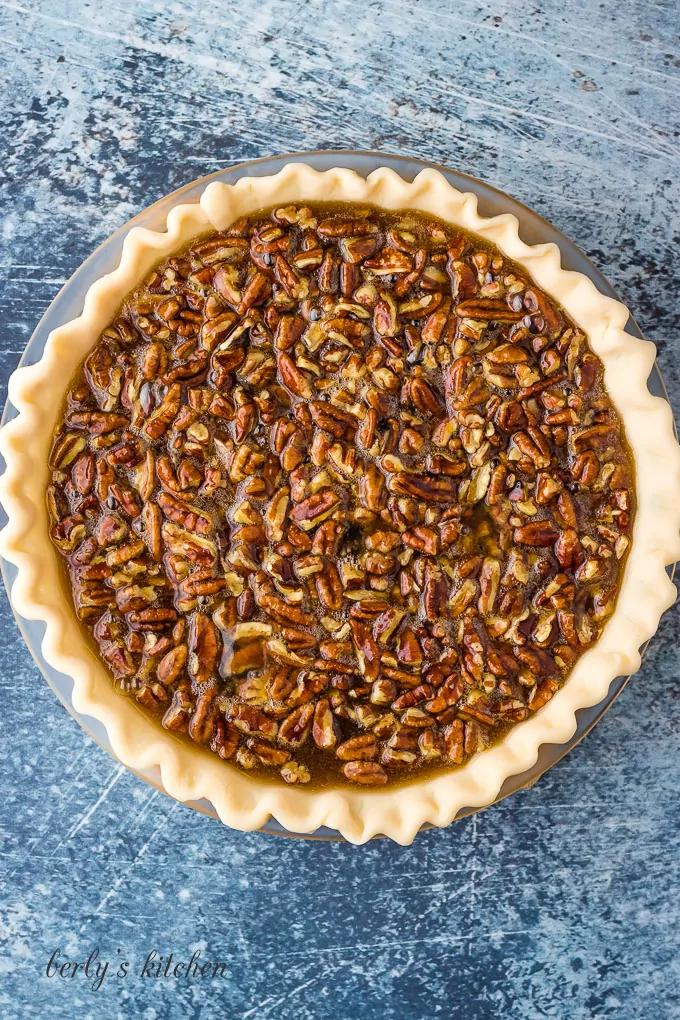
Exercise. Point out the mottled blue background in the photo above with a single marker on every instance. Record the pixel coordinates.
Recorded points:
(561, 902)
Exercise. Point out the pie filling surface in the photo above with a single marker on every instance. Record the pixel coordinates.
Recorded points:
(341, 495)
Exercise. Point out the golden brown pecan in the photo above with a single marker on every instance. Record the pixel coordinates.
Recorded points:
(152, 696)
(361, 748)
(295, 772)
(542, 693)
(356, 249)
(256, 292)
(385, 319)
(463, 276)
(98, 367)
(314, 509)
(339, 423)
(202, 725)
(426, 398)
(97, 423)
(345, 227)
(489, 580)
(565, 512)
(329, 586)
(267, 754)
(292, 378)
(413, 697)
(508, 354)
(295, 728)
(597, 437)
(454, 741)
(487, 310)
(284, 612)
(165, 413)
(372, 488)
(295, 286)
(204, 647)
(178, 714)
(172, 664)
(347, 330)
(537, 533)
(365, 773)
(368, 653)
(184, 515)
(252, 721)
(586, 374)
(409, 650)
(327, 538)
(436, 489)
(325, 727)
(66, 449)
(225, 739)
(586, 468)
(83, 473)
(388, 261)
(536, 301)
(569, 550)
(531, 449)
(433, 327)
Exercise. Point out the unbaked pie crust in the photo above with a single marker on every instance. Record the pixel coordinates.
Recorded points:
(189, 773)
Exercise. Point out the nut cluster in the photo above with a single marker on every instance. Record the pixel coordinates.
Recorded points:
(341, 494)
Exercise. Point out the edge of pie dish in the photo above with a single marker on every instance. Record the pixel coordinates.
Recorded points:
(189, 773)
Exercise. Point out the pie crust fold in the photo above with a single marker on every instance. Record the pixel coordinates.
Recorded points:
(189, 773)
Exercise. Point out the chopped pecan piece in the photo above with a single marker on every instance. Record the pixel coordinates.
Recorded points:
(487, 310)
(315, 509)
(538, 533)
(433, 488)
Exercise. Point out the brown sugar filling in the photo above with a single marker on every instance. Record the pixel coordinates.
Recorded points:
(341, 495)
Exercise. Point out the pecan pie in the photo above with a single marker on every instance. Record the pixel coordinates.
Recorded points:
(341, 494)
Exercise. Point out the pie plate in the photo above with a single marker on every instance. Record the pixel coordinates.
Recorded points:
(68, 305)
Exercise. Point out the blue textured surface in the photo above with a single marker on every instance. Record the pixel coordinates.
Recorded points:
(561, 902)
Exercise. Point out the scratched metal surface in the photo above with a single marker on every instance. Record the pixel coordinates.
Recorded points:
(561, 902)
